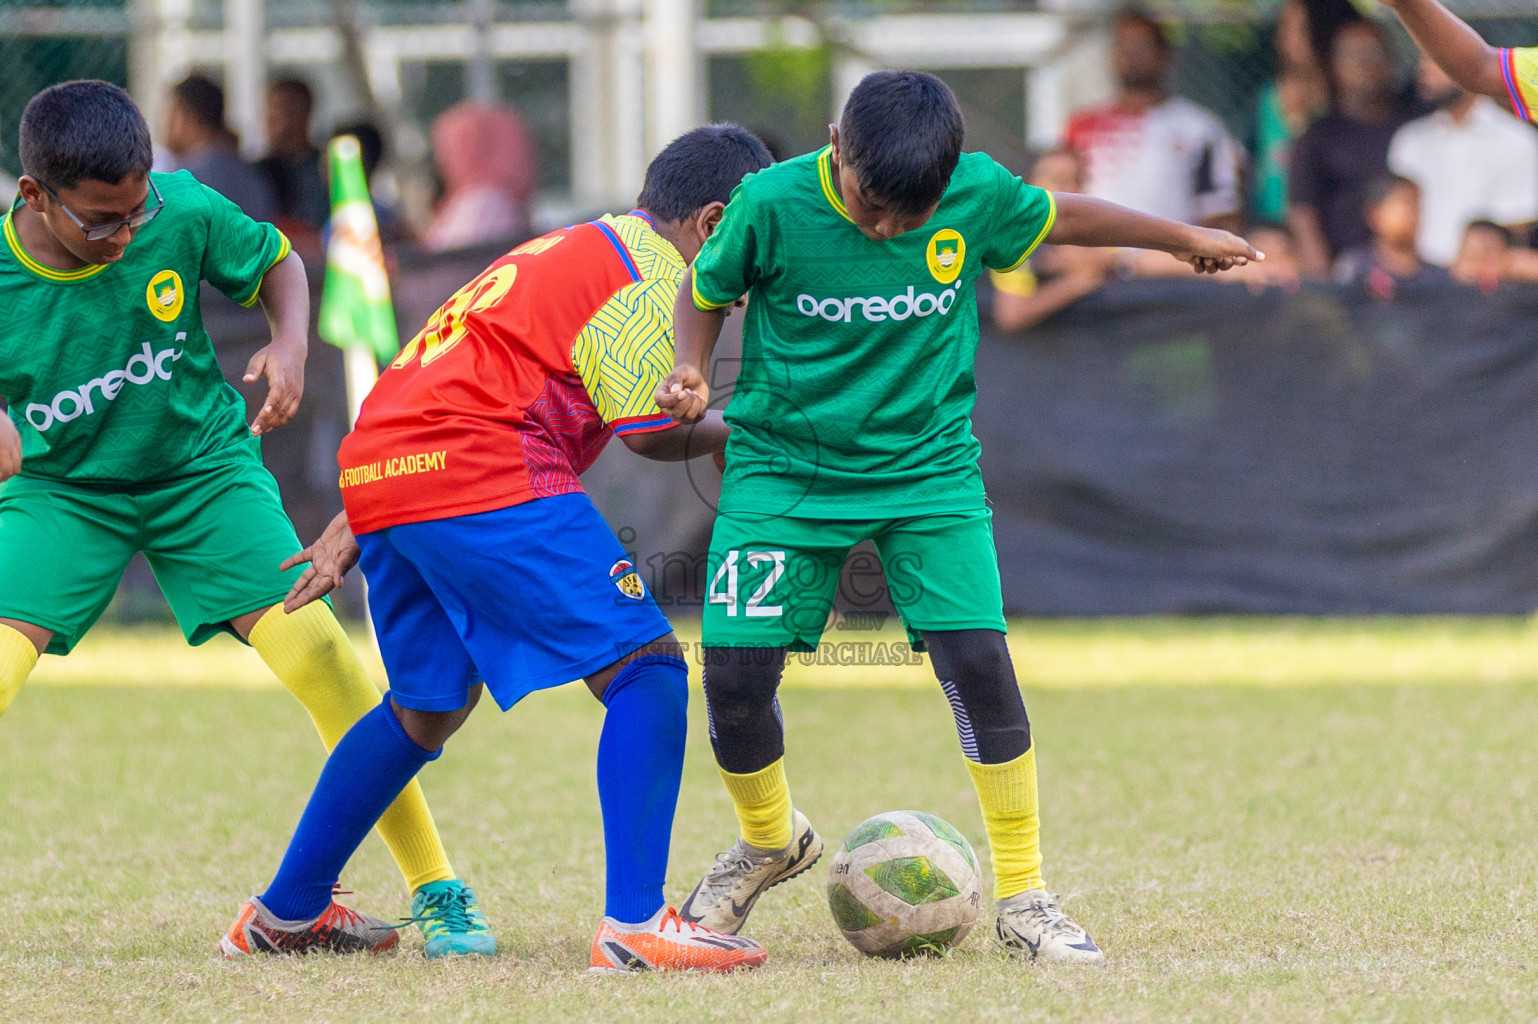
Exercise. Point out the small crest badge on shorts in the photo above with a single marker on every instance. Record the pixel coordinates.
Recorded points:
(624, 577)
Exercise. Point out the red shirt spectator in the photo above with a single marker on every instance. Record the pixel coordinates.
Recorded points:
(1153, 152)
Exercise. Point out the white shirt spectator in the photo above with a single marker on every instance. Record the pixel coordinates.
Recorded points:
(1485, 168)
(7, 189)
(1175, 160)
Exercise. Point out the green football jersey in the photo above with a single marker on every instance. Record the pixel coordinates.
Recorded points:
(855, 394)
(108, 372)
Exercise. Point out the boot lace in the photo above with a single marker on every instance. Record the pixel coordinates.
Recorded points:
(447, 910)
(1044, 912)
(336, 915)
(722, 877)
(678, 923)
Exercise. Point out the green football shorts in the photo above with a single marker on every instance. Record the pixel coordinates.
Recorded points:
(772, 580)
(214, 540)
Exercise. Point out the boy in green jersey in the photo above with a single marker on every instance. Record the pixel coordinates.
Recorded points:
(123, 436)
(851, 420)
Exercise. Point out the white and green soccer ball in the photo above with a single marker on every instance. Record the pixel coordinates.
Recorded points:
(904, 883)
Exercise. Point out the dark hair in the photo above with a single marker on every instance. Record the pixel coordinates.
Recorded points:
(370, 143)
(202, 99)
(1383, 186)
(1377, 28)
(83, 130)
(698, 168)
(1139, 17)
(1325, 19)
(1490, 225)
(297, 88)
(901, 134)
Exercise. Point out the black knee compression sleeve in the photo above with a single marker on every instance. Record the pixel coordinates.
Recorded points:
(979, 681)
(746, 730)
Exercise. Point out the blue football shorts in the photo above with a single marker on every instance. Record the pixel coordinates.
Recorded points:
(523, 598)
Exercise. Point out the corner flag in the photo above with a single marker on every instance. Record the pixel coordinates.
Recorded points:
(355, 311)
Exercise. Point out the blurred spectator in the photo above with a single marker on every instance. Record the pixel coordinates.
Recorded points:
(197, 137)
(1392, 213)
(1298, 97)
(486, 160)
(1058, 170)
(1472, 160)
(292, 163)
(1056, 276)
(1278, 269)
(1153, 152)
(371, 150)
(1334, 160)
(1484, 255)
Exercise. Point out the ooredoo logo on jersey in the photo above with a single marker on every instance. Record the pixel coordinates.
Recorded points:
(876, 308)
(944, 255)
(143, 366)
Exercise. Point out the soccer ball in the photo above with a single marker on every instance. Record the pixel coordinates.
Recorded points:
(904, 883)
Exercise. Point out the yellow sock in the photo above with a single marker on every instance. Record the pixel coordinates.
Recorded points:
(311, 654)
(17, 660)
(1007, 793)
(762, 800)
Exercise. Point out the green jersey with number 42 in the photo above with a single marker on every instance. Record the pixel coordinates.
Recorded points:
(108, 372)
(855, 394)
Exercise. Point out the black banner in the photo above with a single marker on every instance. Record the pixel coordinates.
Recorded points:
(1190, 447)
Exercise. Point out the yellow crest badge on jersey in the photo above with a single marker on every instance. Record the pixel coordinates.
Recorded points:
(945, 253)
(164, 296)
(624, 577)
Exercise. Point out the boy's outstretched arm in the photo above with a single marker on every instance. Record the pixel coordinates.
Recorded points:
(1457, 48)
(285, 297)
(684, 394)
(679, 442)
(1082, 220)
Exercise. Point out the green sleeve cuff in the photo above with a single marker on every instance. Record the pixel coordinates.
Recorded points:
(701, 302)
(1046, 229)
(284, 248)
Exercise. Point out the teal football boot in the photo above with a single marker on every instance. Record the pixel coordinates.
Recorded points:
(451, 920)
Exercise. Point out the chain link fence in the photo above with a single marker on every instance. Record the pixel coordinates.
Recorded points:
(43, 43)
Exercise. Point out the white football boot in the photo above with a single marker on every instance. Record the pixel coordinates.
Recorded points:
(725, 896)
(1033, 925)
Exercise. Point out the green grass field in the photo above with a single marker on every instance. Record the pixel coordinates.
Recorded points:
(1259, 821)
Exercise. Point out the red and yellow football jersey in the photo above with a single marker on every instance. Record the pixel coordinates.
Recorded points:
(518, 381)
(1520, 68)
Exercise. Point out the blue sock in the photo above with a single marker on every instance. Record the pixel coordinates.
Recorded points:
(640, 763)
(367, 770)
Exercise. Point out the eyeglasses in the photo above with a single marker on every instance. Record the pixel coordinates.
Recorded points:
(100, 232)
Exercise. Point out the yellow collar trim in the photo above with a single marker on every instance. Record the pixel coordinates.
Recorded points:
(48, 273)
(825, 176)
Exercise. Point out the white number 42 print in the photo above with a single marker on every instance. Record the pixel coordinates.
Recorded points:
(723, 585)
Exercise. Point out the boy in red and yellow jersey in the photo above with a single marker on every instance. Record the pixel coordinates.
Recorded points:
(489, 567)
